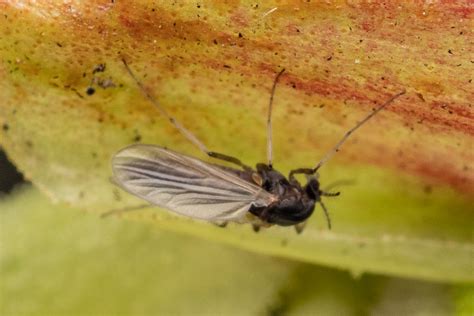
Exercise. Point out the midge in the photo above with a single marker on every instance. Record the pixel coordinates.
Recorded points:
(220, 194)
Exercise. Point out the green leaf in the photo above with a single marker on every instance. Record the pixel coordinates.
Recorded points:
(464, 299)
(409, 211)
(58, 261)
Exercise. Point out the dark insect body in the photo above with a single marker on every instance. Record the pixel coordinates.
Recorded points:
(220, 194)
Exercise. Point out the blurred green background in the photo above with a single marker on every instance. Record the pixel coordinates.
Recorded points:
(56, 260)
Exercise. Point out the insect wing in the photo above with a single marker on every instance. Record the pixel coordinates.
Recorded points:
(186, 185)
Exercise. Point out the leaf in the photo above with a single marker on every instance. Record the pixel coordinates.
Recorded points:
(409, 211)
(463, 299)
(57, 261)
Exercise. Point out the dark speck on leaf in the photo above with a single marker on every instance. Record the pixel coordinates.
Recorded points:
(420, 96)
(450, 51)
(5, 127)
(90, 91)
(240, 35)
(427, 189)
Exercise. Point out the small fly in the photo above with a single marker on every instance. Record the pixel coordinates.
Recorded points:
(219, 194)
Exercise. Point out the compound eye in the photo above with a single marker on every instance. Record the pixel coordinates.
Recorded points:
(267, 185)
(312, 188)
(314, 184)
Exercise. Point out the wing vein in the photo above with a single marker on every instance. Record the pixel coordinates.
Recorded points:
(186, 185)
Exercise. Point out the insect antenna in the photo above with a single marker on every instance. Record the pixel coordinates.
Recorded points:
(330, 194)
(269, 120)
(190, 136)
(335, 149)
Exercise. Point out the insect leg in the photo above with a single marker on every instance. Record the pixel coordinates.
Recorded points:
(256, 227)
(186, 133)
(269, 120)
(300, 227)
(125, 209)
(228, 159)
(221, 224)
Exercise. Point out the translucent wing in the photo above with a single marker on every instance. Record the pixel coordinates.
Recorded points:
(185, 185)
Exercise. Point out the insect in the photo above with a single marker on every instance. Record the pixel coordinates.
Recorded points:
(221, 194)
